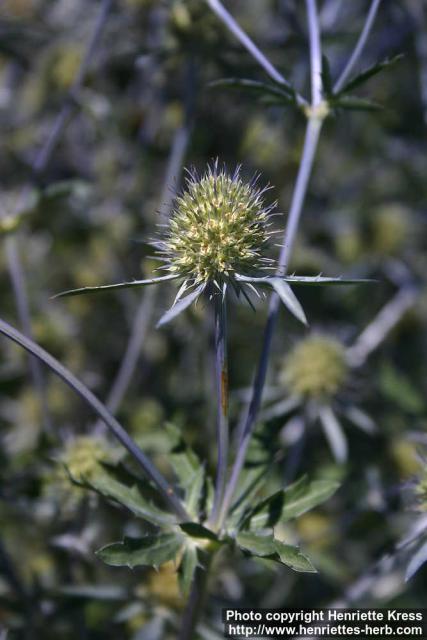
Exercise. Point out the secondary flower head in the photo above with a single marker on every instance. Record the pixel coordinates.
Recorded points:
(315, 368)
(219, 228)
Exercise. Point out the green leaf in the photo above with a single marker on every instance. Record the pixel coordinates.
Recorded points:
(196, 530)
(110, 287)
(256, 543)
(368, 73)
(289, 503)
(351, 103)
(186, 570)
(278, 92)
(266, 546)
(188, 470)
(150, 551)
(326, 77)
(108, 486)
(292, 557)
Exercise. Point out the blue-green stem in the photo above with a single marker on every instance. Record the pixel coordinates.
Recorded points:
(314, 126)
(221, 376)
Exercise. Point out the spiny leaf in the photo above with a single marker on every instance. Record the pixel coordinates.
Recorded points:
(110, 287)
(324, 281)
(279, 93)
(292, 557)
(326, 77)
(351, 103)
(283, 290)
(149, 551)
(368, 73)
(180, 306)
(187, 569)
(266, 546)
(188, 470)
(289, 503)
(130, 497)
(289, 299)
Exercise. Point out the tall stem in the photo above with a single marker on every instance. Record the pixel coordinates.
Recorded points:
(314, 126)
(221, 375)
(310, 145)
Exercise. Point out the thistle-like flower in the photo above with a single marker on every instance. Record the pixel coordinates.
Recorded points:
(217, 236)
(316, 368)
(315, 374)
(219, 229)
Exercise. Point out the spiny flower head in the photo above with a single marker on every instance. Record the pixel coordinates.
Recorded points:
(219, 228)
(315, 368)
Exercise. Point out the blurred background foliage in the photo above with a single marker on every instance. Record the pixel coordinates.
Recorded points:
(144, 110)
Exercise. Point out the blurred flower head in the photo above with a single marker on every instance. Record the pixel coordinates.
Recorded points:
(315, 368)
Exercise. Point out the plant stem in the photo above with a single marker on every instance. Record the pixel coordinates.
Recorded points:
(78, 387)
(249, 45)
(17, 278)
(360, 45)
(221, 375)
(195, 602)
(311, 139)
(315, 53)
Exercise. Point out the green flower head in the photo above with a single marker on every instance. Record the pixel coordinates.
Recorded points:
(217, 236)
(316, 368)
(219, 228)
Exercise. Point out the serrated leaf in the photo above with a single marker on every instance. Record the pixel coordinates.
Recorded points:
(289, 503)
(111, 287)
(418, 559)
(150, 551)
(326, 77)
(292, 557)
(186, 570)
(188, 469)
(130, 497)
(351, 103)
(180, 306)
(256, 543)
(266, 546)
(280, 93)
(368, 73)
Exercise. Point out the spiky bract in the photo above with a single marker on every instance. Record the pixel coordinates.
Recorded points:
(219, 228)
(315, 368)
